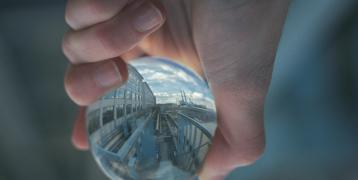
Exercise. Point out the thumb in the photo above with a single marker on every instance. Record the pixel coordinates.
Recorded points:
(239, 139)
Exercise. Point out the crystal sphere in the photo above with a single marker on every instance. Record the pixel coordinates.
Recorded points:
(158, 125)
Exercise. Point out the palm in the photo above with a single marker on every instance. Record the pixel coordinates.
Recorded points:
(235, 41)
(194, 32)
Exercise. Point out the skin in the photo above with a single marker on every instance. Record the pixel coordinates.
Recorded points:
(232, 43)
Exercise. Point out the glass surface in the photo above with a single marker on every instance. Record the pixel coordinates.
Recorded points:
(159, 125)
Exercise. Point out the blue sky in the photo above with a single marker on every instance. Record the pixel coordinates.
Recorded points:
(167, 79)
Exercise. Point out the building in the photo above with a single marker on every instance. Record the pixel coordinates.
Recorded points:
(120, 105)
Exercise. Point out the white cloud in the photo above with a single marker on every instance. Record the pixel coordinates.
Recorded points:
(146, 71)
(167, 68)
(197, 95)
(167, 80)
(157, 76)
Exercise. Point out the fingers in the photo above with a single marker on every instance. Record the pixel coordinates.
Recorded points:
(85, 83)
(102, 30)
(84, 13)
(240, 138)
(113, 37)
(79, 135)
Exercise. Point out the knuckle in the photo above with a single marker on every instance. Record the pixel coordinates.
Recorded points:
(72, 89)
(65, 45)
(68, 19)
(77, 14)
(66, 48)
(95, 7)
(69, 88)
(248, 154)
(70, 16)
(75, 96)
(245, 151)
(108, 42)
(250, 157)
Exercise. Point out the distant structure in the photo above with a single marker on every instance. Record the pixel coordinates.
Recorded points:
(200, 112)
(186, 101)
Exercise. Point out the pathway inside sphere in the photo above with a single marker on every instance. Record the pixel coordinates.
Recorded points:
(158, 145)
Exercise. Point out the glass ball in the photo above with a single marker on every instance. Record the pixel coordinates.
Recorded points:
(158, 125)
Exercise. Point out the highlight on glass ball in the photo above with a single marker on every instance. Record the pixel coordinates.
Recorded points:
(158, 125)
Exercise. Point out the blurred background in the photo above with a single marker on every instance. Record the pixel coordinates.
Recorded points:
(311, 113)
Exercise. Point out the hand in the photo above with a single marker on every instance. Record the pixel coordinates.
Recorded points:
(234, 40)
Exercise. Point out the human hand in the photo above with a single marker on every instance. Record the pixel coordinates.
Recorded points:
(235, 41)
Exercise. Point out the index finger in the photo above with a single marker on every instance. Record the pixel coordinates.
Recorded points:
(83, 13)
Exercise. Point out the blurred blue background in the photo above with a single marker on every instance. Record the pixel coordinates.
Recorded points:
(311, 113)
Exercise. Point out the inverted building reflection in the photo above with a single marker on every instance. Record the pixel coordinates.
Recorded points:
(136, 138)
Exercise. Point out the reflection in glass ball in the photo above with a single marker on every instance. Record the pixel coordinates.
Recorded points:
(159, 125)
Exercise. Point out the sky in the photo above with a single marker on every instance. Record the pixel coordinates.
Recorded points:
(167, 79)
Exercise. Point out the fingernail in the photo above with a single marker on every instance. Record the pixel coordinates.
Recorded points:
(147, 17)
(107, 74)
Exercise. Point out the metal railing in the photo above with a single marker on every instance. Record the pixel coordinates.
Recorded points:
(191, 140)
